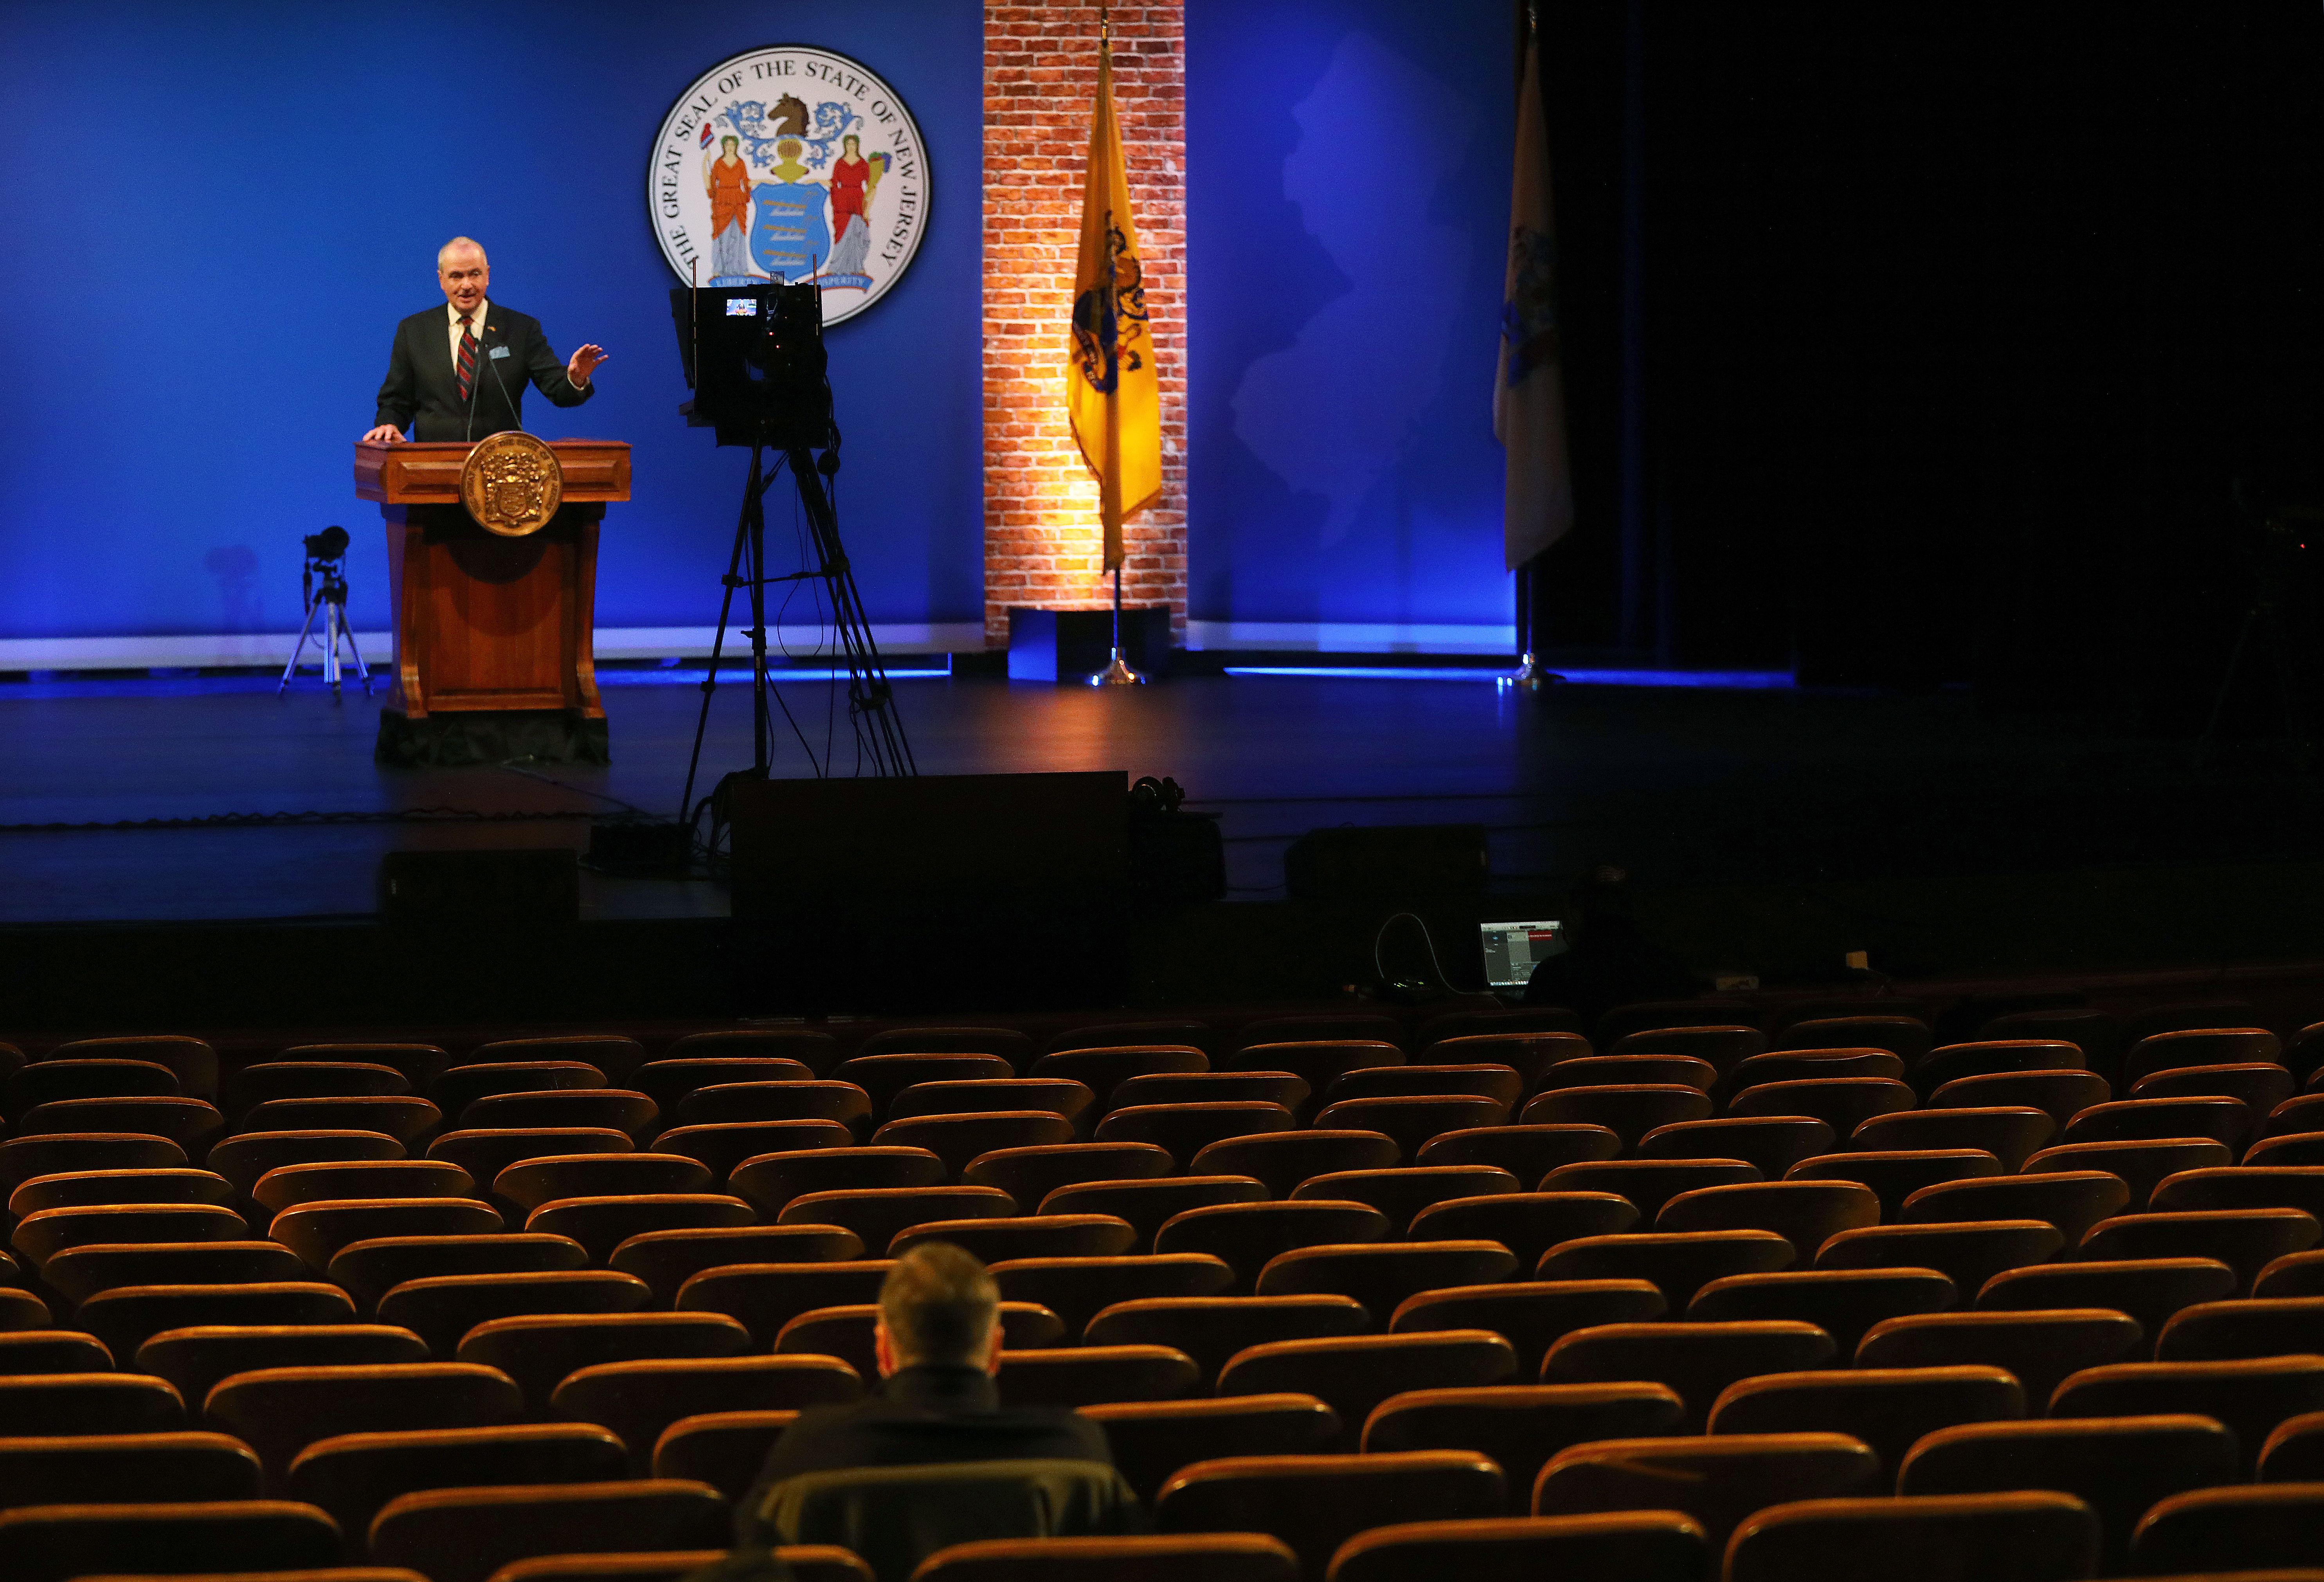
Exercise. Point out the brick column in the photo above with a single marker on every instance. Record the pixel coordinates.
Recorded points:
(1042, 543)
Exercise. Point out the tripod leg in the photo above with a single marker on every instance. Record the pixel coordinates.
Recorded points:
(718, 642)
(297, 649)
(868, 691)
(347, 630)
(331, 646)
(2226, 685)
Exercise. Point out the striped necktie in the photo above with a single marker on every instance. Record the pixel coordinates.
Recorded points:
(467, 355)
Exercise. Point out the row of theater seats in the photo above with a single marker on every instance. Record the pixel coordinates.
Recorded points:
(1319, 1289)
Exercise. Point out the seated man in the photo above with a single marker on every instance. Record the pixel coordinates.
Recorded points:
(938, 1339)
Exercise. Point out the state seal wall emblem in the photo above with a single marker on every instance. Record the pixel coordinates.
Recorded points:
(790, 163)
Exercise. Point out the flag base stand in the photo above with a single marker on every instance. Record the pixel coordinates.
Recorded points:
(1529, 676)
(1118, 673)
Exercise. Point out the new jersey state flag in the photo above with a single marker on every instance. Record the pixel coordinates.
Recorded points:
(1111, 390)
(1528, 392)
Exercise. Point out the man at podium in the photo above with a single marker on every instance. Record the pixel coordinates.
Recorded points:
(458, 373)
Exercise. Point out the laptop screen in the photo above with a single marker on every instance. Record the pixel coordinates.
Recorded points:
(1512, 951)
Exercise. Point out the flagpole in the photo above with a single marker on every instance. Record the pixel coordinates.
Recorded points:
(1529, 675)
(1117, 673)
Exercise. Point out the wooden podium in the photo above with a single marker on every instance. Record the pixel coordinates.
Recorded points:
(492, 635)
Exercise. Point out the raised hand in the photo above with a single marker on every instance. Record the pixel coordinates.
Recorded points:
(585, 363)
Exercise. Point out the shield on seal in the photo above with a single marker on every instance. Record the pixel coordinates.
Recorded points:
(511, 484)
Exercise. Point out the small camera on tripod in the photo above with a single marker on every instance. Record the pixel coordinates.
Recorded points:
(755, 359)
(326, 560)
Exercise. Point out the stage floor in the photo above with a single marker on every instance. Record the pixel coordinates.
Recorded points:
(1849, 804)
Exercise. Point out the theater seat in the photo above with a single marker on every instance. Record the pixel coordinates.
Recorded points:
(485, 1153)
(1527, 1152)
(2027, 1536)
(1283, 1159)
(156, 1184)
(443, 1309)
(2041, 1348)
(453, 1090)
(1027, 1236)
(1215, 1557)
(126, 1317)
(875, 1214)
(895, 1517)
(1148, 1205)
(770, 1182)
(603, 1224)
(2072, 1201)
(729, 1103)
(1648, 1183)
(1895, 1174)
(1696, 1361)
(1531, 1315)
(89, 1403)
(721, 1147)
(1889, 1409)
(1032, 1174)
(90, 1468)
(2226, 1530)
(1354, 1373)
(726, 1449)
(958, 1139)
(541, 1350)
(353, 1476)
(1078, 1289)
(1315, 1504)
(369, 1270)
(1381, 1275)
(1095, 1375)
(1403, 1192)
(2262, 1326)
(1770, 1143)
(2150, 1290)
(1679, 1263)
(196, 1359)
(1210, 1329)
(801, 1562)
(1520, 1426)
(668, 1081)
(52, 1351)
(80, 1274)
(24, 1158)
(1248, 1237)
(2246, 1240)
(318, 1232)
(1719, 1482)
(1842, 1302)
(466, 1534)
(288, 1186)
(1183, 1130)
(1152, 1440)
(51, 1543)
(764, 1297)
(1630, 1111)
(667, 1259)
(1806, 1214)
(532, 1182)
(2010, 1133)
(883, 1077)
(1528, 1224)
(1969, 1251)
(2250, 1397)
(2119, 1467)
(279, 1411)
(2244, 1186)
(638, 1400)
(1628, 1546)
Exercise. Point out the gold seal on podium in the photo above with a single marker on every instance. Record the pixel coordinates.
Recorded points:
(511, 484)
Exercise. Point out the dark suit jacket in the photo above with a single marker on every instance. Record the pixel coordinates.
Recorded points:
(919, 1417)
(421, 383)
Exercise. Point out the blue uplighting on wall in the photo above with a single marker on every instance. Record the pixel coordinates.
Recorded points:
(1348, 190)
(223, 209)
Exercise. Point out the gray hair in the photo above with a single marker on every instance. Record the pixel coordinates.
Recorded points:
(454, 245)
(939, 1305)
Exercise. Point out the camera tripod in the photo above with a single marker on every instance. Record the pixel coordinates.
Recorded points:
(871, 700)
(329, 601)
